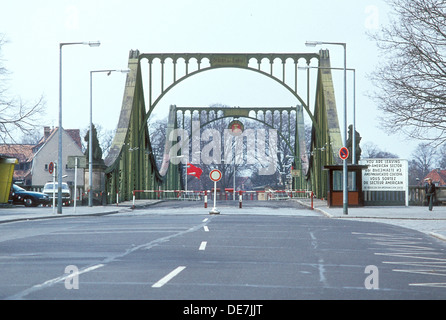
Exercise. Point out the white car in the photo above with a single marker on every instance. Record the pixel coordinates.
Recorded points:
(66, 193)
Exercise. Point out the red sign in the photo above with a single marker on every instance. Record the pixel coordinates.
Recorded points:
(51, 168)
(215, 175)
(194, 171)
(343, 153)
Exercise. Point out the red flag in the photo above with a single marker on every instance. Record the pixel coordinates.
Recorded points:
(194, 171)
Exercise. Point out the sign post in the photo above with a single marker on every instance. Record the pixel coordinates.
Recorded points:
(343, 154)
(76, 162)
(53, 172)
(215, 176)
(75, 184)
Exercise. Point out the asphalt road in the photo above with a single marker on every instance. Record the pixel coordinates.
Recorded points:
(177, 251)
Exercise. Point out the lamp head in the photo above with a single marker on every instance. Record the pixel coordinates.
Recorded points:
(312, 43)
(94, 43)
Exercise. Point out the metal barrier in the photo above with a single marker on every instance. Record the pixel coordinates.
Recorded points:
(172, 194)
(270, 195)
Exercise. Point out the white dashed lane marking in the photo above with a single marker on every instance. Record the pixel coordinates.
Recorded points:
(203, 245)
(168, 277)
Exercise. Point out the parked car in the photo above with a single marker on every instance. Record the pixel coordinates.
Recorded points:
(66, 193)
(19, 195)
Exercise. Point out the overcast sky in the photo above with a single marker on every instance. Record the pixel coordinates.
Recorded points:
(34, 30)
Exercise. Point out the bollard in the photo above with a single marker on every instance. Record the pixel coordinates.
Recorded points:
(312, 195)
(133, 206)
(205, 198)
(240, 199)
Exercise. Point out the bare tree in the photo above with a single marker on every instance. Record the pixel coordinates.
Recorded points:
(423, 161)
(33, 138)
(371, 150)
(411, 79)
(442, 157)
(157, 131)
(15, 115)
(105, 137)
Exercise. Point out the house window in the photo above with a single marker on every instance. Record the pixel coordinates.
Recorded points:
(46, 166)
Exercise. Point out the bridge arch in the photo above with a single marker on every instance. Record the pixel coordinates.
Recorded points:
(171, 86)
(239, 61)
(204, 116)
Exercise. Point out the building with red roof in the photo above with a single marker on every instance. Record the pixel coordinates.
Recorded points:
(438, 177)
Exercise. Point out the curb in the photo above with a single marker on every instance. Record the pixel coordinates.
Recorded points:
(71, 215)
(328, 215)
(60, 216)
(437, 235)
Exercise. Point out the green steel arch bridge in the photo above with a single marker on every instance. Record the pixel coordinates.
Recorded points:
(131, 164)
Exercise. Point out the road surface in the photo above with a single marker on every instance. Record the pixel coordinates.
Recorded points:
(177, 251)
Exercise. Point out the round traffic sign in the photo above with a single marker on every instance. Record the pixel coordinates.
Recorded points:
(51, 167)
(343, 153)
(215, 175)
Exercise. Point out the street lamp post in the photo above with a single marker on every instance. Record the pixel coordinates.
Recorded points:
(59, 162)
(344, 162)
(90, 136)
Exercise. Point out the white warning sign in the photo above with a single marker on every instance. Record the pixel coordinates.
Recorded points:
(385, 175)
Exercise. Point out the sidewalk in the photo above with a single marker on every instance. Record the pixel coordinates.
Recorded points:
(19, 213)
(412, 217)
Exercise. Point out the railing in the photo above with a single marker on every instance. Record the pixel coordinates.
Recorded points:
(269, 195)
(417, 196)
